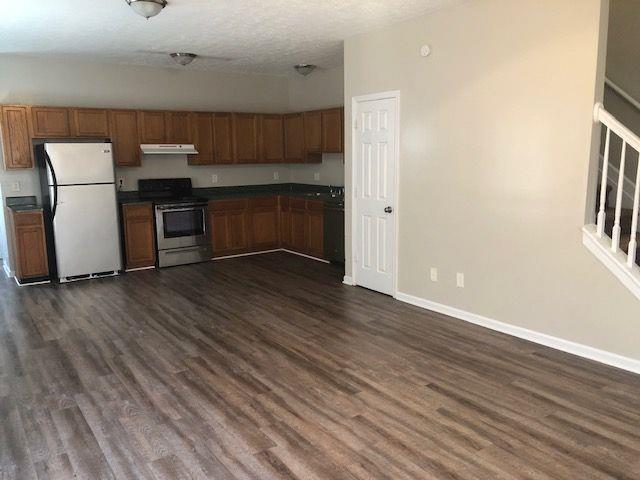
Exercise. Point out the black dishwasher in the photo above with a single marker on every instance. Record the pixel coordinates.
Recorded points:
(334, 231)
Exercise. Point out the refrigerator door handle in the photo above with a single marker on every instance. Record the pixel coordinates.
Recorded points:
(55, 184)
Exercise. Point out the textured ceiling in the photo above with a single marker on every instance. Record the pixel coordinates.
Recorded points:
(260, 36)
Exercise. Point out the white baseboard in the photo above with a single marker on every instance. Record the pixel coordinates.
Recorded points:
(348, 280)
(246, 254)
(306, 256)
(139, 269)
(7, 270)
(608, 358)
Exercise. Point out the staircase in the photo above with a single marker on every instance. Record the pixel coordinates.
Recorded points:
(613, 239)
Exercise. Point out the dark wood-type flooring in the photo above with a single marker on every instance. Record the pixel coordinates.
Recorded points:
(267, 367)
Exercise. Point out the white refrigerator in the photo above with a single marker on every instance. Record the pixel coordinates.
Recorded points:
(84, 209)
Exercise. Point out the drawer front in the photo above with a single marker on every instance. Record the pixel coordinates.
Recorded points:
(299, 203)
(264, 202)
(23, 219)
(231, 204)
(315, 205)
(138, 210)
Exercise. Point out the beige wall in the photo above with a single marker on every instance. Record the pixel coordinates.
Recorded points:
(495, 148)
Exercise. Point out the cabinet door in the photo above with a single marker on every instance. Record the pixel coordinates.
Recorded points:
(264, 224)
(124, 136)
(89, 122)
(179, 127)
(153, 128)
(332, 130)
(245, 137)
(223, 138)
(219, 233)
(16, 141)
(139, 234)
(313, 132)
(299, 230)
(238, 230)
(50, 122)
(293, 138)
(30, 245)
(272, 138)
(203, 139)
(285, 222)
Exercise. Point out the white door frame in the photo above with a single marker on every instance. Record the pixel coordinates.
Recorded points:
(389, 95)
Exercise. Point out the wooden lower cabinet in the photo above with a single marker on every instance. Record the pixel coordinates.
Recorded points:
(139, 235)
(229, 227)
(257, 224)
(265, 223)
(29, 245)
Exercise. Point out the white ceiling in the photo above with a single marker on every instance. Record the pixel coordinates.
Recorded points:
(261, 36)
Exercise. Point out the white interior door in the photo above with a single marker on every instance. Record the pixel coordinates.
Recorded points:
(375, 183)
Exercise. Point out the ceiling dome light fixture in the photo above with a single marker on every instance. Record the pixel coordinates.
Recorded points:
(183, 59)
(147, 8)
(304, 69)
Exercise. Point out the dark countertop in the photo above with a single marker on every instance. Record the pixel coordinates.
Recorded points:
(310, 192)
(23, 204)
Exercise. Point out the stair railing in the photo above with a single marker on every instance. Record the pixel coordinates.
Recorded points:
(629, 140)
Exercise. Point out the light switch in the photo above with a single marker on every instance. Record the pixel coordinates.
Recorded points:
(214, 178)
(460, 280)
(434, 274)
(276, 175)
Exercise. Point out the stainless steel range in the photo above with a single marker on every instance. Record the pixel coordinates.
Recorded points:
(181, 221)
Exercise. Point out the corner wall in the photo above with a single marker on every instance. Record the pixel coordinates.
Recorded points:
(496, 137)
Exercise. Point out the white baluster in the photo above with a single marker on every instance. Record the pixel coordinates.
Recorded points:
(633, 244)
(602, 215)
(617, 230)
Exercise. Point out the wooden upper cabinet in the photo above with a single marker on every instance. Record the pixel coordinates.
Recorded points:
(29, 244)
(203, 139)
(223, 138)
(16, 139)
(139, 235)
(124, 137)
(332, 130)
(293, 138)
(152, 126)
(89, 122)
(48, 122)
(272, 138)
(245, 138)
(179, 129)
(312, 131)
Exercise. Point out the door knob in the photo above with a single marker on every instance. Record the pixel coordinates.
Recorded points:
(388, 210)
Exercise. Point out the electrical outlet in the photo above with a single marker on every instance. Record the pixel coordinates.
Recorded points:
(120, 183)
(460, 280)
(434, 274)
(214, 178)
(316, 176)
(276, 175)
(16, 186)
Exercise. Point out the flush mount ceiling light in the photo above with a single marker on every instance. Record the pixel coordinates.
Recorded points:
(147, 8)
(183, 59)
(304, 68)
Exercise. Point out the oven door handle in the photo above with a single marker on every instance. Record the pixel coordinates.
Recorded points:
(185, 209)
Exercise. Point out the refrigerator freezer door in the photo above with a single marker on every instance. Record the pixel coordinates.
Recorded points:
(86, 231)
(81, 163)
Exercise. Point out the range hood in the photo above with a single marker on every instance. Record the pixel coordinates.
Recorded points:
(168, 149)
